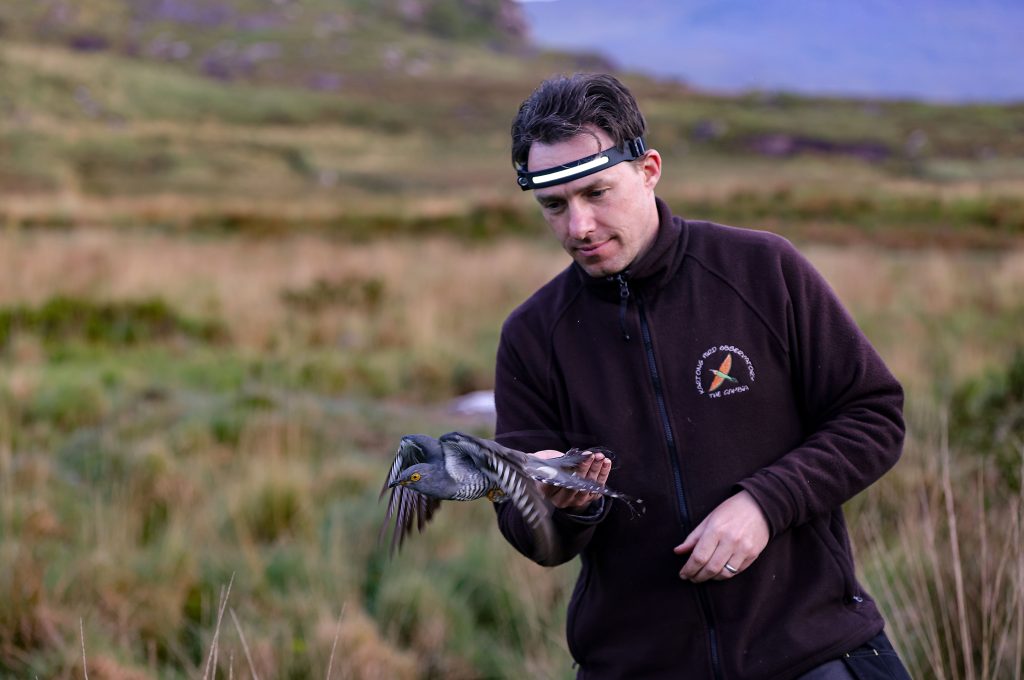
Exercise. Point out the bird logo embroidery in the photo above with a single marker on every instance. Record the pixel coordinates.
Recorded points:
(722, 374)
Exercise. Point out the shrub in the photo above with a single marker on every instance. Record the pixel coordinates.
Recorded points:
(124, 323)
(988, 417)
(279, 509)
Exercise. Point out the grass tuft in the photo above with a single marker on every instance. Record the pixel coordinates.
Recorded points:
(947, 567)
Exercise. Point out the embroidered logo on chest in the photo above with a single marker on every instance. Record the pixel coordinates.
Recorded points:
(722, 371)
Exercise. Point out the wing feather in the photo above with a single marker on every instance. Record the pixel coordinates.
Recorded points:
(512, 471)
(506, 468)
(406, 505)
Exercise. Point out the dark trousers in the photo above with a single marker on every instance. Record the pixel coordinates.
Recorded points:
(874, 660)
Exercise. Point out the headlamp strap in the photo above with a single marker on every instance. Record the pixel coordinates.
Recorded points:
(568, 172)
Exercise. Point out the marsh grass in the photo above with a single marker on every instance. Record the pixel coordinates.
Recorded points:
(941, 547)
(135, 480)
(137, 534)
(398, 316)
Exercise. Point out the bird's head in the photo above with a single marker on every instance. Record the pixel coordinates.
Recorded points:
(413, 475)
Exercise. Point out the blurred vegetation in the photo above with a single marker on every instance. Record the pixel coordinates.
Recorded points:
(65, 319)
(138, 479)
(370, 118)
(988, 417)
(940, 547)
(134, 507)
(244, 247)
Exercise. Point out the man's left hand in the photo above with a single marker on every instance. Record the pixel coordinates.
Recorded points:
(726, 542)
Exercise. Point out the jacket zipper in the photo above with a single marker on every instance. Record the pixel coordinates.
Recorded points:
(623, 303)
(670, 441)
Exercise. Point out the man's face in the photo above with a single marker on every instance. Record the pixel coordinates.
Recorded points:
(605, 220)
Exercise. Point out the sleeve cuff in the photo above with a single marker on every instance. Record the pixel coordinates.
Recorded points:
(592, 514)
(776, 501)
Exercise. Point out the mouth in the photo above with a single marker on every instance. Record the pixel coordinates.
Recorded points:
(592, 249)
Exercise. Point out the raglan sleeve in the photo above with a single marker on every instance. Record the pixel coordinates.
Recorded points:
(527, 420)
(851, 406)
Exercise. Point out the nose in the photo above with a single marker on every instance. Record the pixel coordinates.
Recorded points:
(581, 221)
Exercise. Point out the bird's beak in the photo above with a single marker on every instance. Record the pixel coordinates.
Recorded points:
(396, 483)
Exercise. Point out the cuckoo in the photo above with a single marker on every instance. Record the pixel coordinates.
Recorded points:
(461, 467)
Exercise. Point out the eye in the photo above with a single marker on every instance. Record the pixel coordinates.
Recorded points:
(597, 193)
(415, 477)
(553, 206)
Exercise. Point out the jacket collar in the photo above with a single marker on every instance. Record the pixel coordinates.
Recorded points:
(658, 265)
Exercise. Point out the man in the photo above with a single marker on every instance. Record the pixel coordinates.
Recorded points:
(743, 404)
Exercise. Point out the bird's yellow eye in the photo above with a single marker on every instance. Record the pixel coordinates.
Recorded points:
(415, 477)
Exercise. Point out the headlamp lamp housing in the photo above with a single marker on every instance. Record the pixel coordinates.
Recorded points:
(568, 172)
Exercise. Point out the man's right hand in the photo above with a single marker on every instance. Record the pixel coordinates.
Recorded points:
(596, 467)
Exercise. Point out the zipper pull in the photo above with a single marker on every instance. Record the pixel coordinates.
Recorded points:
(623, 302)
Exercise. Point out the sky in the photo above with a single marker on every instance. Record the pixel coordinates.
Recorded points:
(935, 50)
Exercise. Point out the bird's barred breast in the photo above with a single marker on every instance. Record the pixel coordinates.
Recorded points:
(473, 487)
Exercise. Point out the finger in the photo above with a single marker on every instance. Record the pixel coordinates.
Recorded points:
(577, 502)
(547, 490)
(715, 566)
(606, 470)
(707, 554)
(568, 498)
(560, 497)
(725, 574)
(583, 469)
(594, 471)
(584, 499)
(591, 468)
(699, 556)
(594, 474)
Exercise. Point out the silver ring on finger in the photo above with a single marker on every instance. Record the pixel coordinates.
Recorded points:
(731, 569)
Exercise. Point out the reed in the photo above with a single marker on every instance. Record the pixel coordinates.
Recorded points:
(941, 547)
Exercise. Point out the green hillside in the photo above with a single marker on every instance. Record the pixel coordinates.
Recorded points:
(359, 117)
(315, 43)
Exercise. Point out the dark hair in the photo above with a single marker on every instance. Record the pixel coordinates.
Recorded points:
(560, 107)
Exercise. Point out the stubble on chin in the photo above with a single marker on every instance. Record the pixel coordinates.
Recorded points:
(599, 270)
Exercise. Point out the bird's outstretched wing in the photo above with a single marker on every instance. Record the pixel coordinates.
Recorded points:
(406, 505)
(507, 469)
(560, 472)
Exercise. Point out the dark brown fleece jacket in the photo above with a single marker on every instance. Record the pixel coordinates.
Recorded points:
(741, 371)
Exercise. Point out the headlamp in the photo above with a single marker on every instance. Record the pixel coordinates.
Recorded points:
(560, 174)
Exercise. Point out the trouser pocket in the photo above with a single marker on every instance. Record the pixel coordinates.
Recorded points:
(876, 660)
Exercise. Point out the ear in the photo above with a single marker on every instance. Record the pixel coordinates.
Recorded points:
(650, 166)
